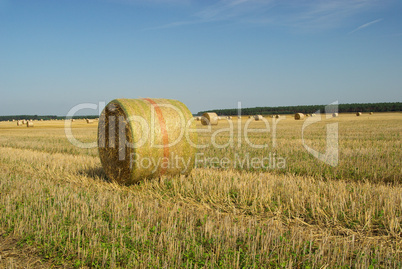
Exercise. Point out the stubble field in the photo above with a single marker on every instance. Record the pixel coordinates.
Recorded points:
(289, 211)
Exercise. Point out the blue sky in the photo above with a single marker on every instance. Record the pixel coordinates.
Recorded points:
(56, 54)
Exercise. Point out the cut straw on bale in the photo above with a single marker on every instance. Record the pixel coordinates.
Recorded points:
(142, 138)
(299, 116)
(358, 113)
(258, 117)
(30, 124)
(209, 118)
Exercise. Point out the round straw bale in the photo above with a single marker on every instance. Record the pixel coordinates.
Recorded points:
(30, 124)
(258, 117)
(358, 113)
(239, 117)
(334, 115)
(19, 123)
(371, 113)
(229, 117)
(299, 116)
(90, 121)
(221, 118)
(144, 138)
(313, 115)
(209, 118)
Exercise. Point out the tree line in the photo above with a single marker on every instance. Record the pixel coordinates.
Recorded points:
(309, 109)
(43, 117)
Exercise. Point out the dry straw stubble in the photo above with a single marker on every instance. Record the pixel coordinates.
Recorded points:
(143, 138)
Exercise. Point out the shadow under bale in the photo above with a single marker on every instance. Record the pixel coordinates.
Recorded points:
(95, 173)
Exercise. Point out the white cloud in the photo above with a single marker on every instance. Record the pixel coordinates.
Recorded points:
(365, 25)
(314, 14)
(232, 9)
(161, 3)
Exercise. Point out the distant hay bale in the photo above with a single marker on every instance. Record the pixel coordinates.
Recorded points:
(239, 117)
(24, 122)
(299, 116)
(198, 118)
(229, 117)
(258, 117)
(276, 116)
(13, 120)
(250, 117)
(358, 113)
(19, 123)
(141, 138)
(221, 118)
(90, 121)
(334, 115)
(30, 124)
(371, 113)
(41, 119)
(209, 118)
(313, 115)
(72, 120)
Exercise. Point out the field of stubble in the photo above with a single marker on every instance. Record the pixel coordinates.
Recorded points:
(57, 207)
